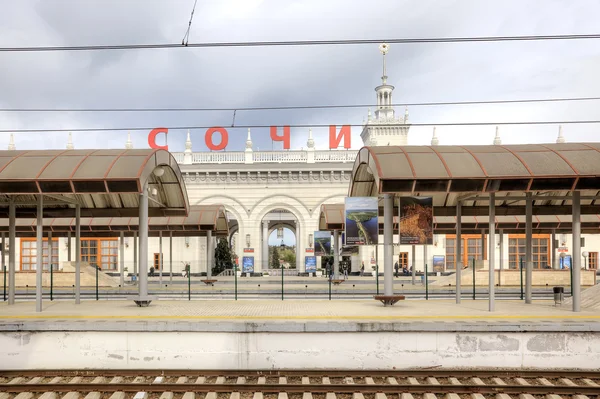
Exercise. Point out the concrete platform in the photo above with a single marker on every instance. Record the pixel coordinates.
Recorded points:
(297, 334)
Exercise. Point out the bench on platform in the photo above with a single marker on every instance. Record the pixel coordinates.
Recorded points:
(389, 299)
(209, 281)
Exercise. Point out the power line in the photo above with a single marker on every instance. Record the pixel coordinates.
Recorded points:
(186, 37)
(301, 43)
(110, 129)
(291, 107)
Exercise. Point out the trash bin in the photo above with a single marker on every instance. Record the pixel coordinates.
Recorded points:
(559, 295)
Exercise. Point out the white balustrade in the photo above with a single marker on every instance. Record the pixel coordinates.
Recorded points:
(295, 156)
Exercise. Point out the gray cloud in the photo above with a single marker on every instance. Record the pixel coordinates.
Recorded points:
(239, 77)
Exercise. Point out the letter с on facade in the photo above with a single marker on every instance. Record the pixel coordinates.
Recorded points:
(285, 137)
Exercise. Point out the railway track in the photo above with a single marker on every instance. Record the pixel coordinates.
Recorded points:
(286, 384)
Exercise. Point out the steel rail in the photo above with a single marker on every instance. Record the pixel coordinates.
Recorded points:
(419, 373)
(301, 388)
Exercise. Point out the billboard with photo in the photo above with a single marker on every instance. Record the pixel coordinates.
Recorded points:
(361, 221)
(248, 264)
(416, 220)
(310, 264)
(439, 263)
(322, 241)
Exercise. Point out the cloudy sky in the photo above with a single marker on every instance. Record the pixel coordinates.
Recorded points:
(276, 76)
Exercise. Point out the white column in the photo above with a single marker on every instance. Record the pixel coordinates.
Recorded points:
(209, 253)
(265, 246)
(77, 254)
(458, 252)
(528, 247)
(492, 245)
(576, 261)
(122, 260)
(299, 252)
(553, 258)
(3, 263)
(143, 247)
(39, 251)
(11, 250)
(388, 248)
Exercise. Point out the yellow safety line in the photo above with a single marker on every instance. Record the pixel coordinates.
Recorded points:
(324, 317)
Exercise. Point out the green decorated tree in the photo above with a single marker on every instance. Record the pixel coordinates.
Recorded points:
(223, 257)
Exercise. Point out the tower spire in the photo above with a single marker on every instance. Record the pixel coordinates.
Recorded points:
(384, 48)
(497, 139)
(128, 143)
(434, 139)
(11, 143)
(310, 143)
(70, 142)
(560, 139)
(249, 141)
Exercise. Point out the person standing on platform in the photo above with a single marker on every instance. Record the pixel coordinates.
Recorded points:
(396, 267)
(345, 272)
(362, 269)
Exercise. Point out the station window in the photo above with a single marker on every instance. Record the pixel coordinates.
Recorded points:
(29, 254)
(156, 262)
(100, 252)
(472, 248)
(593, 261)
(403, 259)
(540, 251)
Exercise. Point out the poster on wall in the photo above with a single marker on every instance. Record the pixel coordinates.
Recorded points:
(310, 264)
(361, 221)
(416, 220)
(248, 264)
(565, 263)
(439, 263)
(322, 241)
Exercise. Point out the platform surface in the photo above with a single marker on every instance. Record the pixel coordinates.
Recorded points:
(296, 315)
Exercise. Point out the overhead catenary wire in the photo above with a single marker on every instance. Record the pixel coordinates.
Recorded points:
(293, 107)
(301, 43)
(246, 126)
(186, 37)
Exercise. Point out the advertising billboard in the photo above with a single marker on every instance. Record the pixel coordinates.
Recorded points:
(248, 264)
(361, 221)
(416, 220)
(322, 241)
(310, 264)
(439, 263)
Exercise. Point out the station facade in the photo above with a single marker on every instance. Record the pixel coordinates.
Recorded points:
(266, 190)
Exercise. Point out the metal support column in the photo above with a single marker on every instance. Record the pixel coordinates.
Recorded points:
(135, 255)
(160, 259)
(388, 248)
(483, 249)
(170, 257)
(492, 247)
(143, 247)
(414, 264)
(501, 245)
(11, 250)
(576, 261)
(458, 251)
(122, 260)
(3, 265)
(209, 254)
(553, 259)
(77, 254)
(528, 246)
(69, 246)
(39, 248)
(336, 258)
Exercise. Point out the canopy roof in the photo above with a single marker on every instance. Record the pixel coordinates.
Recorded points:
(468, 174)
(104, 182)
(201, 218)
(332, 217)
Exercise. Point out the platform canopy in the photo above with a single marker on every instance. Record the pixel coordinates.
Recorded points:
(105, 183)
(201, 219)
(332, 217)
(449, 174)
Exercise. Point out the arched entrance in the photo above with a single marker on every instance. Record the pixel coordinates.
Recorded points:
(279, 242)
